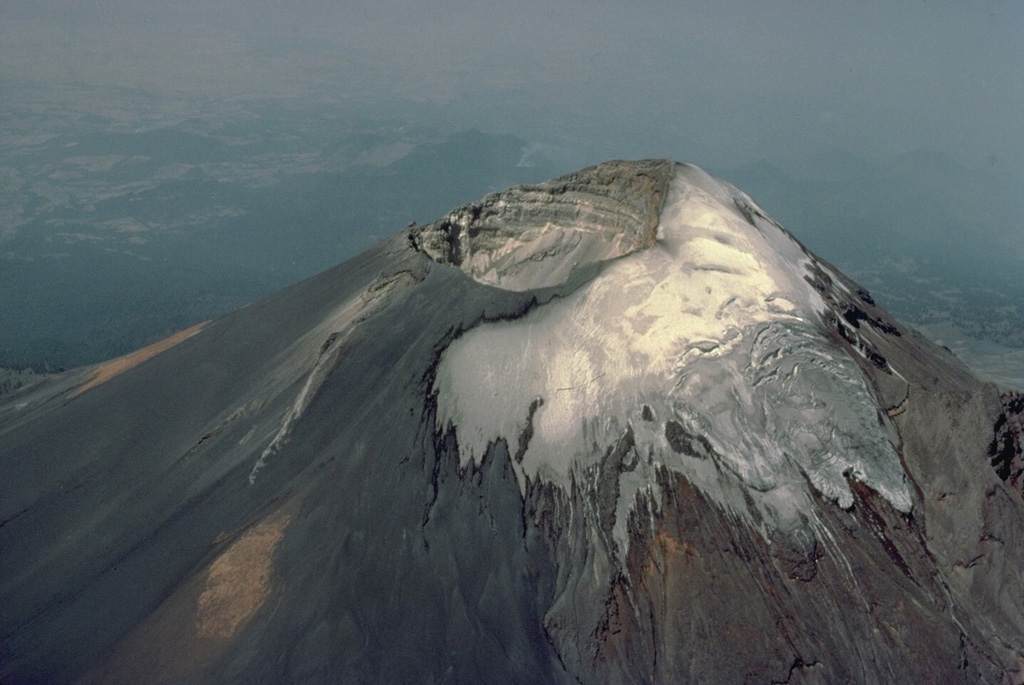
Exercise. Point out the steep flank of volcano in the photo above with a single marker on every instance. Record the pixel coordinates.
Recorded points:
(616, 427)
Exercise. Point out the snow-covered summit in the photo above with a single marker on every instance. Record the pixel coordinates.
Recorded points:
(703, 350)
(616, 427)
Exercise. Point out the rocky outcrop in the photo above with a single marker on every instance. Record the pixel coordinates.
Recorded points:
(1007, 448)
(538, 236)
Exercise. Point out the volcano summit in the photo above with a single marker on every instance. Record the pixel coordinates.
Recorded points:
(616, 427)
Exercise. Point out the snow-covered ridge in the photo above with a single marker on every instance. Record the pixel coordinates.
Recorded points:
(706, 348)
(536, 236)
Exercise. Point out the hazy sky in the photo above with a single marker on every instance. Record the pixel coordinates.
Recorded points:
(733, 80)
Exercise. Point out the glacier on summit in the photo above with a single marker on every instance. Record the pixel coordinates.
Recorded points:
(706, 348)
(618, 426)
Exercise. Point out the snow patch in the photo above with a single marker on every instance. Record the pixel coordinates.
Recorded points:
(715, 330)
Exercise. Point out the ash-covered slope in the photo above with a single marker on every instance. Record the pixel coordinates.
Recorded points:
(617, 427)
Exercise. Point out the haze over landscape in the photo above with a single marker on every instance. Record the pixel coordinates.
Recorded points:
(332, 349)
(164, 164)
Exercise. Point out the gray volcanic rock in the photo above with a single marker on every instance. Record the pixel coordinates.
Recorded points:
(536, 236)
(618, 427)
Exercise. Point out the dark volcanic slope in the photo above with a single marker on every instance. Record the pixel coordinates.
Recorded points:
(274, 497)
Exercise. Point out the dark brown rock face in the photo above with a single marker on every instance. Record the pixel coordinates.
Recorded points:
(1007, 448)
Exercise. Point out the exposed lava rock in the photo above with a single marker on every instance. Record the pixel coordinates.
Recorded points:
(534, 236)
(1007, 448)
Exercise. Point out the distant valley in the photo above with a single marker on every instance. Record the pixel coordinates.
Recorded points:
(112, 236)
(120, 228)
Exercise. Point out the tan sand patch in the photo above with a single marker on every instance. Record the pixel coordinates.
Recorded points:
(201, 617)
(238, 581)
(104, 372)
